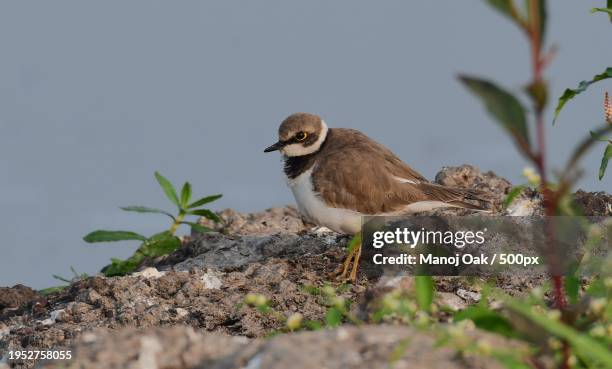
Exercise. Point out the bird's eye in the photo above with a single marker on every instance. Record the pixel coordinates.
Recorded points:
(301, 136)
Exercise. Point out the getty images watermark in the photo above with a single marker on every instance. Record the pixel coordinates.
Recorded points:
(458, 239)
(485, 245)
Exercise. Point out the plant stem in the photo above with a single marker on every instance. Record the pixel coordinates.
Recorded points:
(177, 222)
(550, 199)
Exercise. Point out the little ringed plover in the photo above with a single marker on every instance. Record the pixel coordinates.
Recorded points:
(338, 175)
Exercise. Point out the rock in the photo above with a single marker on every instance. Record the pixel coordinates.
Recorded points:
(216, 250)
(207, 299)
(594, 203)
(404, 282)
(467, 176)
(345, 347)
(271, 221)
(53, 317)
(172, 347)
(450, 300)
(16, 297)
(149, 272)
(4, 330)
(528, 203)
(353, 347)
(468, 296)
(211, 280)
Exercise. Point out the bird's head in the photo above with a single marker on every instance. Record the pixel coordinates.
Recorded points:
(300, 134)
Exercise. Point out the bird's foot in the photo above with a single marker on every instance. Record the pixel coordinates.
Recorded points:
(354, 253)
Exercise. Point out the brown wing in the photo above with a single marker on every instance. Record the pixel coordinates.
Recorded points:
(373, 180)
(462, 197)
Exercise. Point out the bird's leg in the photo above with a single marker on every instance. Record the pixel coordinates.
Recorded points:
(347, 264)
(354, 252)
(353, 276)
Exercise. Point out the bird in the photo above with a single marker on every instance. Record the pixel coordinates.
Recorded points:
(339, 175)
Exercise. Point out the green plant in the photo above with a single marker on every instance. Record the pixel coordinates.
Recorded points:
(586, 327)
(570, 93)
(161, 243)
(513, 117)
(338, 309)
(533, 181)
(425, 290)
(582, 86)
(76, 277)
(607, 9)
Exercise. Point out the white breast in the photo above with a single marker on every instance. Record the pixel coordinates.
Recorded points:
(314, 209)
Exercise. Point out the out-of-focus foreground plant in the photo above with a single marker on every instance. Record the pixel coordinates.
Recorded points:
(570, 93)
(578, 347)
(161, 243)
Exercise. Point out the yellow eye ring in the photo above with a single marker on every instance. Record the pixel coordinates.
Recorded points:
(301, 136)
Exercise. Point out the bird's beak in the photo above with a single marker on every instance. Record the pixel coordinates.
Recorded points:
(277, 146)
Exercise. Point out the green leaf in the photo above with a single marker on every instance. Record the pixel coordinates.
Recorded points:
(598, 137)
(119, 267)
(424, 291)
(160, 244)
(604, 10)
(76, 274)
(584, 346)
(60, 278)
(111, 236)
(145, 209)
(506, 7)
(487, 319)
(168, 188)
(604, 161)
(569, 93)
(502, 105)
(572, 287)
(333, 317)
(514, 192)
(354, 242)
(185, 194)
(503, 6)
(510, 361)
(597, 288)
(197, 227)
(206, 214)
(584, 146)
(204, 200)
(50, 290)
(313, 325)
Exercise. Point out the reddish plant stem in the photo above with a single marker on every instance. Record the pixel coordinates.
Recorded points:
(550, 199)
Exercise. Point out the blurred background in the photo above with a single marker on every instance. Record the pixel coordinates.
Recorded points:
(96, 96)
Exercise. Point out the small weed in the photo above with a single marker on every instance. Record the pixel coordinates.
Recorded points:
(161, 243)
(76, 277)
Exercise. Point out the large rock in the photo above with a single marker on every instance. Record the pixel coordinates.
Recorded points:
(342, 348)
(169, 347)
(215, 250)
(270, 221)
